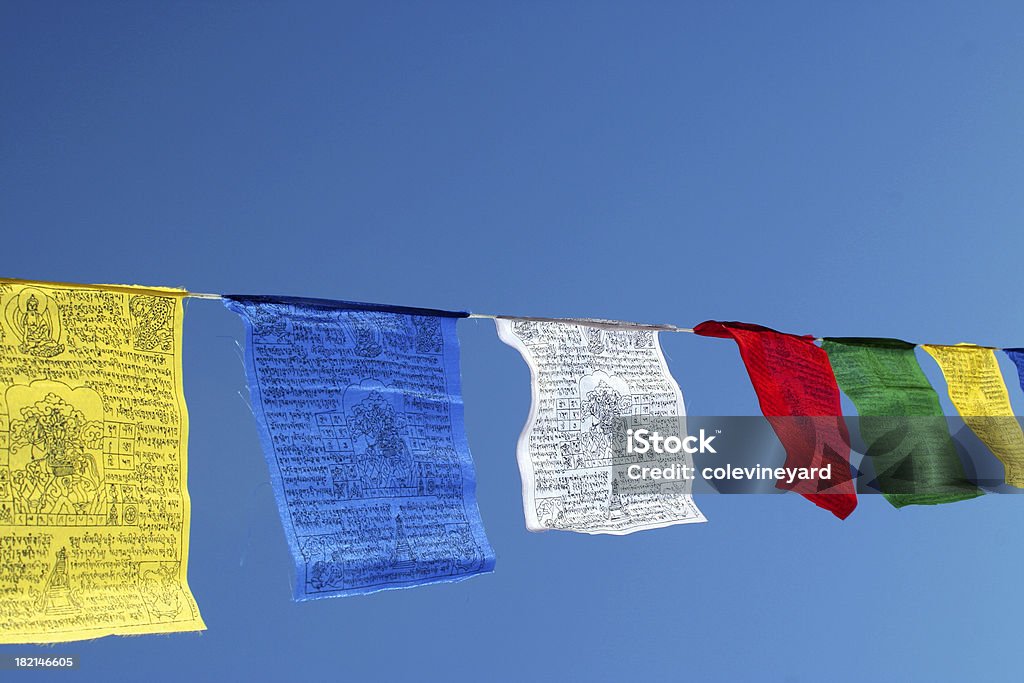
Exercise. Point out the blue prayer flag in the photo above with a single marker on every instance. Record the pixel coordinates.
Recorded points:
(360, 414)
(1017, 356)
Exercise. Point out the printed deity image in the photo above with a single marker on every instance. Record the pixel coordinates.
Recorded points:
(93, 508)
(360, 414)
(588, 384)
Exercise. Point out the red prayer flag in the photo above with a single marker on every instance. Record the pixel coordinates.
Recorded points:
(793, 378)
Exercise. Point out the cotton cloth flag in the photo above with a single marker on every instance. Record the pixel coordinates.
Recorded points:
(589, 383)
(359, 409)
(94, 513)
(792, 378)
(1017, 356)
(977, 390)
(901, 420)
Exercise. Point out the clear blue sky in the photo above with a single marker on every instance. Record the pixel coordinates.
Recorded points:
(835, 168)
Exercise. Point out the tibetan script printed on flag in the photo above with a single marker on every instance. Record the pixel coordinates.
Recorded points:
(360, 413)
(909, 448)
(588, 383)
(94, 513)
(979, 393)
(792, 378)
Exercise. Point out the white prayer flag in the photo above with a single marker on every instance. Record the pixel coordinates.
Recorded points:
(588, 384)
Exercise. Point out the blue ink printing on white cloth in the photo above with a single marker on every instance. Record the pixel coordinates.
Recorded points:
(360, 415)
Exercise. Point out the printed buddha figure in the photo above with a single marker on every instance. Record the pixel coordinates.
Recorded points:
(37, 334)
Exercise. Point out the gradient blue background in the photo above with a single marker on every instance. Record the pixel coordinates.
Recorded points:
(816, 167)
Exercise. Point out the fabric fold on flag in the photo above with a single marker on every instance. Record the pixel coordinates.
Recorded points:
(977, 389)
(360, 413)
(589, 386)
(94, 509)
(792, 377)
(914, 459)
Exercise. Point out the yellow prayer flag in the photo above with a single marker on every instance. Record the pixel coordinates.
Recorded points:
(978, 391)
(94, 512)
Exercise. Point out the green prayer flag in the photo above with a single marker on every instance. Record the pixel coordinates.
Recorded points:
(901, 421)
